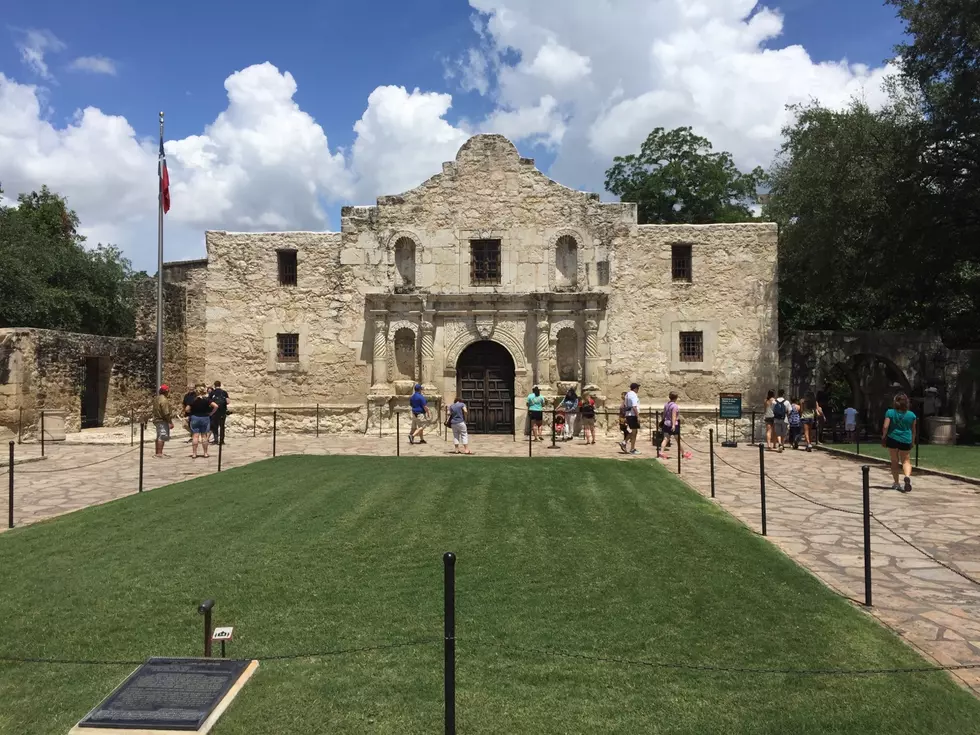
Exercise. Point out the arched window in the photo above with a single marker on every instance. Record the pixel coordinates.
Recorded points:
(405, 262)
(405, 354)
(566, 261)
(568, 354)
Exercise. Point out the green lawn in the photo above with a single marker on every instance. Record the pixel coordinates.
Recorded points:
(591, 556)
(959, 459)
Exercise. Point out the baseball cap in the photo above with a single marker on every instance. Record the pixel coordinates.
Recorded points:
(634, 386)
(418, 387)
(165, 387)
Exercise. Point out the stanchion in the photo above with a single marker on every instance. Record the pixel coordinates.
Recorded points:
(449, 619)
(656, 432)
(762, 483)
(650, 419)
(866, 488)
(752, 438)
(10, 497)
(514, 432)
(318, 421)
(398, 434)
(554, 444)
(205, 609)
(220, 445)
(711, 454)
(530, 439)
(255, 410)
(142, 427)
(677, 430)
(42, 433)
(274, 412)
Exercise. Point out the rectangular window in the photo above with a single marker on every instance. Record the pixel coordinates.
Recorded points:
(287, 267)
(485, 262)
(680, 262)
(287, 346)
(692, 347)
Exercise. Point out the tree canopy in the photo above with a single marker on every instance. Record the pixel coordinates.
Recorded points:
(676, 178)
(49, 279)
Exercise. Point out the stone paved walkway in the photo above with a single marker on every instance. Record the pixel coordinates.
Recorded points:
(933, 609)
(930, 607)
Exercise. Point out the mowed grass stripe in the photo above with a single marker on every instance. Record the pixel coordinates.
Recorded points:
(592, 556)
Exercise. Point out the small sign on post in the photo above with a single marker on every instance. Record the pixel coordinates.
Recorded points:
(729, 410)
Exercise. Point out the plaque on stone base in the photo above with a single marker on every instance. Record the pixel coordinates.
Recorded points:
(169, 695)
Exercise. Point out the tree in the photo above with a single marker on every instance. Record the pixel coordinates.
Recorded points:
(676, 178)
(941, 62)
(50, 280)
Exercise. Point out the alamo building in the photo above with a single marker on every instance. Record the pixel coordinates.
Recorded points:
(484, 281)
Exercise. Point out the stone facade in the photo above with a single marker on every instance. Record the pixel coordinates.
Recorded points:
(103, 380)
(576, 294)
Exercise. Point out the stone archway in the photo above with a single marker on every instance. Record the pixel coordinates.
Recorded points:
(485, 382)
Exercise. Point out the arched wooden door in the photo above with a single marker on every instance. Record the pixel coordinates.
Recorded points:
(485, 382)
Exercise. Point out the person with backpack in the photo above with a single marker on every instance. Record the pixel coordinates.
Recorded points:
(671, 424)
(795, 423)
(587, 412)
(780, 411)
(220, 397)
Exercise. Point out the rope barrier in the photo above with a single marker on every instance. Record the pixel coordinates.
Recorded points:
(78, 467)
(901, 538)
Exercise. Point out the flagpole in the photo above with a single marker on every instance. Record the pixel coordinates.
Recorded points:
(160, 265)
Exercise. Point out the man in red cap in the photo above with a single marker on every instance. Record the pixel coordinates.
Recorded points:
(162, 419)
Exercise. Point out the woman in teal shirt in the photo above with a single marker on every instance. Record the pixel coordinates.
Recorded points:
(898, 434)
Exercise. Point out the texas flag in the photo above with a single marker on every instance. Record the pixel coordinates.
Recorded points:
(164, 180)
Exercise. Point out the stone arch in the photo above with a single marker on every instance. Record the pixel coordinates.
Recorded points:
(466, 335)
(405, 259)
(395, 326)
(563, 237)
(566, 261)
(405, 355)
(567, 355)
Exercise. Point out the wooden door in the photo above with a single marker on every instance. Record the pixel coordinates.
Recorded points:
(485, 380)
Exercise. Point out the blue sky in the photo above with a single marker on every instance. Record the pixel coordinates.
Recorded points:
(177, 57)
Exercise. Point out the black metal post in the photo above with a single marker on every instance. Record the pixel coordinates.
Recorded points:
(318, 421)
(220, 445)
(222, 642)
(650, 419)
(255, 410)
(656, 433)
(514, 432)
(142, 426)
(866, 488)
(398, 434)
(711, 454)
(762, 483)
(752, 439)
(449, 618)
(530, 438)
(205, 609)
(274, 412)
(10, 497)
(679, 451)
(554, 444)
(42, 433)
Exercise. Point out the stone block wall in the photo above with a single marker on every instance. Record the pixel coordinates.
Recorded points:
(43, 369)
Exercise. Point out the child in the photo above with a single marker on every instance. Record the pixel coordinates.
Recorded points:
(795, 424)
(560, 423)
(587, 412)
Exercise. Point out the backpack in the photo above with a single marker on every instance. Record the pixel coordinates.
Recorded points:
(794, 417)
(779, 409)
(588, 410)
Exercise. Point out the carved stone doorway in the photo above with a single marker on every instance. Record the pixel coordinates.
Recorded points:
(485, 382)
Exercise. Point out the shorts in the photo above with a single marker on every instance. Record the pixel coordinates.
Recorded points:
(770, 421)
(200, 424)
(850, 427)
(806, 422)
(633, 422)
(588, 423)
(163, 431)
(418, 421)
(671, 430)
(537, 415)
(780, 427)
(894, 444)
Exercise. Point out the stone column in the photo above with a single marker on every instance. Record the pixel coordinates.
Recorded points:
(427, 352)
(380, 355)
(542, 357)
(593, 360)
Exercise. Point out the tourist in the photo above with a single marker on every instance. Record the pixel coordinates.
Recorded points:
(558, 422)
(571, 411)
(420, 415)
(795, 424)
(189, 397)
(671, 424)
(535, 412)
(780, 411)
(587, 412)
(898, 434)
(850, 423)
(200, 412)
(456, 418)
(768, 417)
(219, 396)
(809, 415)
(632, 418)
(623, 425)
(162, 419)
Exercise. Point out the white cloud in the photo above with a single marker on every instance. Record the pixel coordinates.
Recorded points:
(618, 70)
(542, 123)
(95, 65)
(34, 45)
(401, 140)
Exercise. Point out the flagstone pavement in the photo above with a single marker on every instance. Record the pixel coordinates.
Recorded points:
(930, 607)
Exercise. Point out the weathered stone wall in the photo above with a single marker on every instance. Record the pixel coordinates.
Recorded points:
(731, 299)
(43, 369)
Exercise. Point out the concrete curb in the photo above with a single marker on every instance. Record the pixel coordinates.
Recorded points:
(25, 460)
(868, 459)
